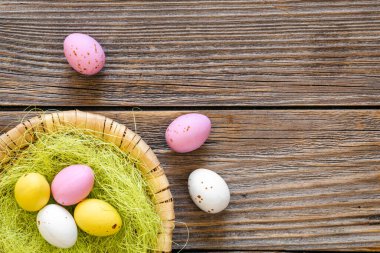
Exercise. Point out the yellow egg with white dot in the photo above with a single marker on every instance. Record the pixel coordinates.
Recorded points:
(32, 192)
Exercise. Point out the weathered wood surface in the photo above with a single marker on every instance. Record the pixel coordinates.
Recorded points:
(181, 53)
(299, 179)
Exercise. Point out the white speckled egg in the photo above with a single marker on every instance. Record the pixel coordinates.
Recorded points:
(57, 226)
(208, 190)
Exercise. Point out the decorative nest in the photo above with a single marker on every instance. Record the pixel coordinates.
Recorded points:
(20, 137)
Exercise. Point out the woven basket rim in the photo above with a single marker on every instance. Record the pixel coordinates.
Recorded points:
(111, 131)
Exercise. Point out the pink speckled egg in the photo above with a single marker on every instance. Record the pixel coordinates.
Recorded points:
(72, 184)
(84, 53)
(188, 132)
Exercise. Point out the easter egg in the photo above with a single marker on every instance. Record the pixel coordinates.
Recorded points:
(72, 184)
(32, 192)
(208, 190)
(84, 54)
(188, 132)
(97, 217)
(57, 226)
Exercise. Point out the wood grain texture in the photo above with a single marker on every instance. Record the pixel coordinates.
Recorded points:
(299, 179)
(181, 53)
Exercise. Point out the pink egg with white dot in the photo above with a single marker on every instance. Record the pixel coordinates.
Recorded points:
(188, 132)
(84, 53)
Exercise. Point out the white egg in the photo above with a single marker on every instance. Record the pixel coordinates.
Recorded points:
(208, 190)
(57, 226)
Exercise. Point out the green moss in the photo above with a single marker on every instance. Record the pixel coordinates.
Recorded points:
(117, 181)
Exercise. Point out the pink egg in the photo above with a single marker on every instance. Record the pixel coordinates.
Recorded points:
(84, 53)
(72, 184)
(188, 132)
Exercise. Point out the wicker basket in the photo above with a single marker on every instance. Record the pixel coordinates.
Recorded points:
(110, 131)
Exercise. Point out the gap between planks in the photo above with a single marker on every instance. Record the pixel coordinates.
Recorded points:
(12, 108)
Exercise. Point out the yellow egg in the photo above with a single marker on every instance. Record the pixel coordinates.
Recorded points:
(97, 217)
(32, 192)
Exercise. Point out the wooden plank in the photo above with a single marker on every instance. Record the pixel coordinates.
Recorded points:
(300, 179)
(170, 53)
(229, 251)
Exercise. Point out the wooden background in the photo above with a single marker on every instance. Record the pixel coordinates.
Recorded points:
(292, 88)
